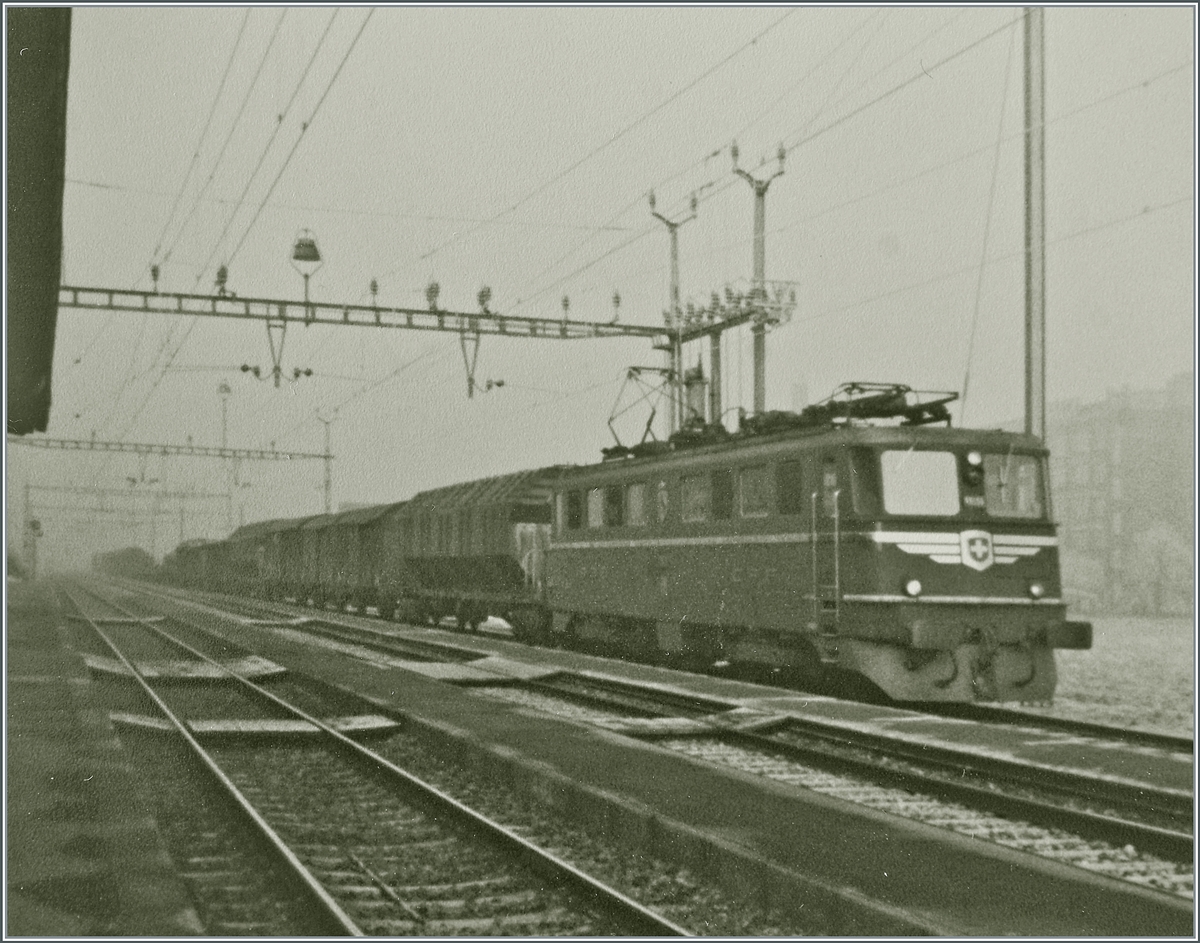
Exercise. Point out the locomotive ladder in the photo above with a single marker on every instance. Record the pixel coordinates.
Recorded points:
(826, 582)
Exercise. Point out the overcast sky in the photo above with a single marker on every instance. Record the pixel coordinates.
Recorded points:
(515, 148)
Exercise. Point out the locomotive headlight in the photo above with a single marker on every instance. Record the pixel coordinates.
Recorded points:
(1037, 590)
(973, 471)
(913, 588)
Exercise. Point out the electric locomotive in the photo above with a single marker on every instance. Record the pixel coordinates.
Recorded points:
(854, 537)
(861, 539)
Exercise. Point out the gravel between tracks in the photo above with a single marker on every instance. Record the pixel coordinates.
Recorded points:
(666, 888)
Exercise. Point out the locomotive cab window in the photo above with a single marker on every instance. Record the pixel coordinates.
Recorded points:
(1013, 485)
(924, 483)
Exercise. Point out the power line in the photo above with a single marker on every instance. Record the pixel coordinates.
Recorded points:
(196, 203)
(809, 74)
(274, 132)
(636, 237)
(967, 155)
(1008, 256)
(359, 211)
(287, 161)
(987, 227)
(922, 72)
(303, 128)
(720, 188)
(371, 386)
(616, 137)
(237, 120)
(203, 134)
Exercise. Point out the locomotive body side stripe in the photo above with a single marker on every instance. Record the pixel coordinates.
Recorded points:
(684, 541)
(951, 600)
(946, 545)
(1005, 542)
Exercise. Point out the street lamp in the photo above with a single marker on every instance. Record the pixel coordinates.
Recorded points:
(306, 258)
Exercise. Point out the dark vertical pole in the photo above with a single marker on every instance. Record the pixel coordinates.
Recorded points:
(759, 331)
(714, 393)
(1035, 226)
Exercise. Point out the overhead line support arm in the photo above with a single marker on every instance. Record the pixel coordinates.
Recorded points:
(313, 312)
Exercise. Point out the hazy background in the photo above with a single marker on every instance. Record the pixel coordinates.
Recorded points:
(515, 148)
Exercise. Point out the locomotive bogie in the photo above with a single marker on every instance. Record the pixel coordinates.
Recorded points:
(970, 672)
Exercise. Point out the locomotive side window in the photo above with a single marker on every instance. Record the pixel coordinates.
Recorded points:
(696, 498)
(920, 482)
(638, 514)
(595, 507)
(864, 481)
(722, 495)
(574, 510)
(754, 489)
(662, 501)
(1013, 485)
(829, 487)
(614, 506)
(789, 482)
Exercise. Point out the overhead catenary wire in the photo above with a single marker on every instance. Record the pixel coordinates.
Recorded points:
(196, 203)
(372, 385)
(804, 137)
(203, 134)
(943, 165)
(265, 198)
(987, 226)
(188, 174)
(727, 373)
(300, 137)
(270, 141)
(714, 187)
(995, 259)
(617, 136)
(358, 211)
(922, 72)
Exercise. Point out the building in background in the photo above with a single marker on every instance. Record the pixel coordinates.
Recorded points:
(1123, 486)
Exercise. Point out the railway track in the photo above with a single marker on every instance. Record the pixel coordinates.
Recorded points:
(1018, 717)
(1088, 830)
(1156, 820)
(1115, 812)
(331, 624)
(392, 855)
(1071, 820)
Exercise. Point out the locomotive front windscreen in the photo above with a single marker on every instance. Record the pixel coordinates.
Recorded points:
(943, 484)
(920, 482)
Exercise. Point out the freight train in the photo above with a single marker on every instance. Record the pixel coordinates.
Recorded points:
(862, 538)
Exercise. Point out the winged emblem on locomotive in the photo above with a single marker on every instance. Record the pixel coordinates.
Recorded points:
(976, 549)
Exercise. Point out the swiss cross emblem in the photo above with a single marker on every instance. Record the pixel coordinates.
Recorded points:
(976, 549)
